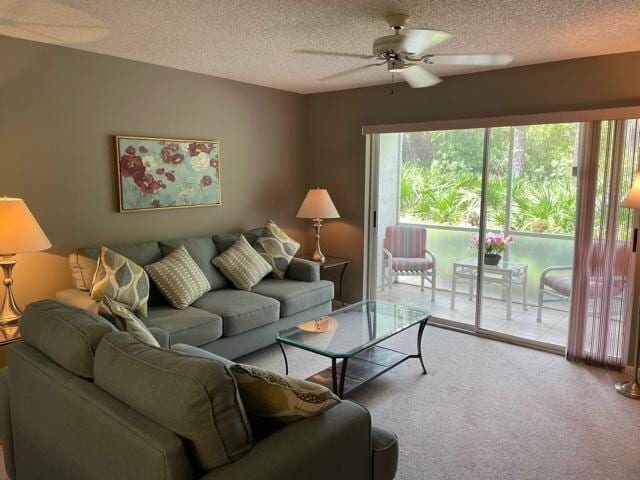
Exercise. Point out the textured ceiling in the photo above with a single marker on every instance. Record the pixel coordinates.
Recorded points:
(254, 40)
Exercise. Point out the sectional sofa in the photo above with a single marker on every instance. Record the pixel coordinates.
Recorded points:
(81, 400)
(225, 321)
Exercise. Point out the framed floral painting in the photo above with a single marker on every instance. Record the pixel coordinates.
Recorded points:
(156, 173)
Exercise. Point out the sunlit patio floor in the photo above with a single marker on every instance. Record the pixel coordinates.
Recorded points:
(553, 329)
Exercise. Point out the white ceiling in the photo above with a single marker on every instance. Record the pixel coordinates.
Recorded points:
(254, 40)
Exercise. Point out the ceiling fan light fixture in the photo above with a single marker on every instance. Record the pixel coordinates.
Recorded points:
(395, 66)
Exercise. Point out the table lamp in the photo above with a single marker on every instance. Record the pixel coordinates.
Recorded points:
(632, 389)
(19, 233)
(317, 205)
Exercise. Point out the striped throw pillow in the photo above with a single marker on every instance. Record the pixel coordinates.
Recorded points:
(179, 278)
(242, 265)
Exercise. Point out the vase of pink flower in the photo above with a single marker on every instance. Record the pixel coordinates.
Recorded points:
(495, 244)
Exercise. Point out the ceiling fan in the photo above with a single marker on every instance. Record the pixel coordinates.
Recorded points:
(405, 52)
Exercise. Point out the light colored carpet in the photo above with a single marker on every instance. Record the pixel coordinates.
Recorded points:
(490, 410)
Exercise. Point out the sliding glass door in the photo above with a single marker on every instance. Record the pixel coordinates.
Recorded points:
(530, 224)
(427, 188)
(441, 200)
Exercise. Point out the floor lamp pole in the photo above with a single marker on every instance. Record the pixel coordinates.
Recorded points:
(632, 389)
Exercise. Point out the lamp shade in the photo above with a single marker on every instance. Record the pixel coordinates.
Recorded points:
(317, 204)
(19, 231)
(632, 200)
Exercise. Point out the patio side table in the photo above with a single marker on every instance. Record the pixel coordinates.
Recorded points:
(505, 275)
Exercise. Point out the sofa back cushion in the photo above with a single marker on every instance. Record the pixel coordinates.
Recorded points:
(202, 250)
(142, 253)
(196, 398)
(67, 335)
(226, 240)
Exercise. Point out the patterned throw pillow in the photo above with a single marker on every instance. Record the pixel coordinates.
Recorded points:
(277, 248)
(124, 281)
(241, 264)
(125, 320)
(179, 278)
(280, 398)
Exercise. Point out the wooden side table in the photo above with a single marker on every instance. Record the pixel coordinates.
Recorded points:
(334, 263)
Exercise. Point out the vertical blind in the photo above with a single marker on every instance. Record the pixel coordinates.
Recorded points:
(603, 275)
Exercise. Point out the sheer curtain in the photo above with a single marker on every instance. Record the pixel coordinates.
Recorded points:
(603, 274)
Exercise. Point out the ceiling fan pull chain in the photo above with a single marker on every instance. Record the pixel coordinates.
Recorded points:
(393, 78)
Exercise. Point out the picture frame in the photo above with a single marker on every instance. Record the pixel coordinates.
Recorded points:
(156, 173)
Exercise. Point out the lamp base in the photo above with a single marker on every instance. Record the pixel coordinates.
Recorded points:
(629, 389)
(317, 255)
(9, 312)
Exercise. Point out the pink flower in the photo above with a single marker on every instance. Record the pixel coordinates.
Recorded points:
(160, 171)
(214, 162)
(206, 181)
(148, 184)
(167, 157)
(196, 148)
(155, 203)
(170, 176)
(143, 149)
(130, 150)
(131, 166)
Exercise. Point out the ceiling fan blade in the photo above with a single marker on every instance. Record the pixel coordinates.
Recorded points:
(334, 54)
(349, 72)
(417, 41)
(469, 59)
(418, 77)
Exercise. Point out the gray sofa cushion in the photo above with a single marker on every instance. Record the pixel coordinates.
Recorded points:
(240, 311)
(225, 240)
(67, 335)
(295, 296)
(190, 325)
(198, 352)
(142, 253)
(202, 250)
(384, 446)
(194, 397)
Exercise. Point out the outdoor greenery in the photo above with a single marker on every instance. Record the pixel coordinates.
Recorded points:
(442, 175)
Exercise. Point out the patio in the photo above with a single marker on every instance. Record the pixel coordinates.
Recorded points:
(553, 329)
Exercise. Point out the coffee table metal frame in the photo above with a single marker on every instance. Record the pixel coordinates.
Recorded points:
(371, 360)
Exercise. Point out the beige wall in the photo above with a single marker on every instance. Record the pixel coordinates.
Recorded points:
(336, 147)
(59, 110)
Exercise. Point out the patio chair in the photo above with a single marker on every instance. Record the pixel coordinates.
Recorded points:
(556, 287)
(405, 253)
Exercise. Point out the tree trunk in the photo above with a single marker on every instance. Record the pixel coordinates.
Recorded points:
(519, 144)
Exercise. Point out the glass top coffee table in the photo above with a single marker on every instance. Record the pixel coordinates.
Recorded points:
(352, 334)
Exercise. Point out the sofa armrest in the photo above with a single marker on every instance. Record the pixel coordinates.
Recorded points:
(162, 337)
(5, 424)
(78, 298)
(336, 445)
(303, 270)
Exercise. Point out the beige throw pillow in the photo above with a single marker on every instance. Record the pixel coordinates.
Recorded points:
(125, 320)
(242, 265)
(283, 399)
(277, 248)
(82, 270)
(124, 281)
(179, 278)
